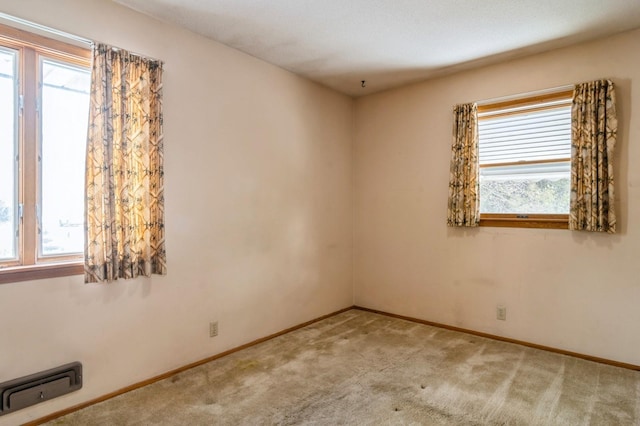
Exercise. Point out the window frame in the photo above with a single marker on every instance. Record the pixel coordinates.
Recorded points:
(524, 220)
(30, 265)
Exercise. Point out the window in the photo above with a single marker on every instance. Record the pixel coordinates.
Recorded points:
(525, 161)
(44, 104)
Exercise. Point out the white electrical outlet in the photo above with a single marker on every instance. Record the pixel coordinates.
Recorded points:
(213, 329)
(501, 313)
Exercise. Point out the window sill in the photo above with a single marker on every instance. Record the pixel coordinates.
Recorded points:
(37, 272)
(544, 221)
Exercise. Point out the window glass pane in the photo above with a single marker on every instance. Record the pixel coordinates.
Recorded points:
(8, 169)
(65, 115)
(538, 188)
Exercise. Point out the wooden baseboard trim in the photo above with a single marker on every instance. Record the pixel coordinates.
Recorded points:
(505, 339)
(163, 376)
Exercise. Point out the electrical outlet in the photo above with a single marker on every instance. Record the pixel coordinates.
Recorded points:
(501, 313)
(213, 329)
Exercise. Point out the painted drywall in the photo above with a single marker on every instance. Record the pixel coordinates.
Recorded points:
(569, 290)
(258, 216)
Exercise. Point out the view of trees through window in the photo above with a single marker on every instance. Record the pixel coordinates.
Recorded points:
(536, 196)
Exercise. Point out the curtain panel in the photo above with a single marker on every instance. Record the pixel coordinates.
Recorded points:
(464, 206)
(124, 208)
(593, 137)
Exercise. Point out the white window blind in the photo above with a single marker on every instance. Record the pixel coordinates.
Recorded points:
(528, 134)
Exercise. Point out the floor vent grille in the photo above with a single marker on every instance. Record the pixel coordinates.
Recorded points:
(35, 388)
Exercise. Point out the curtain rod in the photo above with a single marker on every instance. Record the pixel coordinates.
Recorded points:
(524, 95)
(116, 48)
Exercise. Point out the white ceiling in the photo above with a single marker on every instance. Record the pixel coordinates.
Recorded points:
(389, 43)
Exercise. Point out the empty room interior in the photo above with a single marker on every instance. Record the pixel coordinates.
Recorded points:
(317, 270)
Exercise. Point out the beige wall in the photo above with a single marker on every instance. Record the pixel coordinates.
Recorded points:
(258, 213)
(575, 291)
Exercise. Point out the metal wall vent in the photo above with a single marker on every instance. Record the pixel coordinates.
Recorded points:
(35, 388)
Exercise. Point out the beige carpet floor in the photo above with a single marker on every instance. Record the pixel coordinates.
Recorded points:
(360, 368)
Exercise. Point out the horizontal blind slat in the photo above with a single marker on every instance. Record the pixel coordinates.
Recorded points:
(548, 135)
(503, 127)
(527, 136)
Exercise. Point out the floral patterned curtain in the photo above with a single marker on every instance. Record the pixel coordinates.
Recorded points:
(593, 138)
(464, 206)
(124, 204)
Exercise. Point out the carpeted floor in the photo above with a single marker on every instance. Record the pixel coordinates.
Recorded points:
(360, 368)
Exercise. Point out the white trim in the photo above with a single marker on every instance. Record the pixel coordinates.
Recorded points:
(59, 35)
(45, 31)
